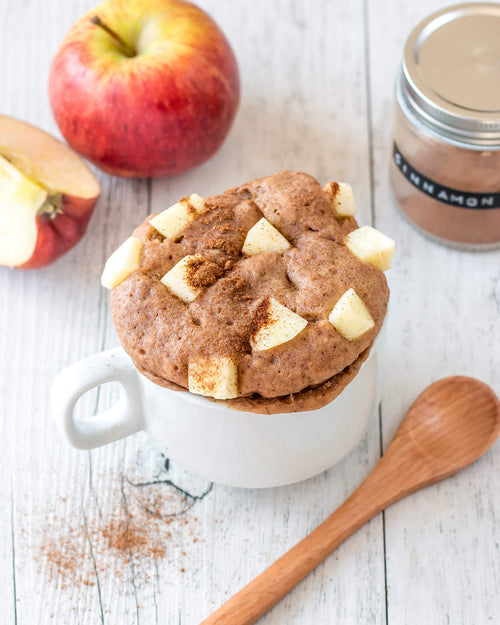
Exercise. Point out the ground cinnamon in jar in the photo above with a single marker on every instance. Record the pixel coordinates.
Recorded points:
(445, 165)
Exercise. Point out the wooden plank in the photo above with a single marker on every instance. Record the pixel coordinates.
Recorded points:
(25, 318)
(303, 107)
(443, 559)
(55, 315)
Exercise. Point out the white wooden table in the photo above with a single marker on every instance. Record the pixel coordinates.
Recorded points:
(317, 94)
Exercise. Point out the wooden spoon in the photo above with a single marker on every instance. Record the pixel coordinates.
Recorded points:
(451, 424)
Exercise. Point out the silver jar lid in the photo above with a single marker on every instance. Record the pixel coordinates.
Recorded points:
(450, 77)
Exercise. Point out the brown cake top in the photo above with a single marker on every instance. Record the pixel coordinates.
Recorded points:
(255, 293)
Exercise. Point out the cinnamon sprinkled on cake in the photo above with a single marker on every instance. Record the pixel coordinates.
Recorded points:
(334, 186)
(190, 208)
(223, 244)
(202, 273)
(235, 290)
(261, 316)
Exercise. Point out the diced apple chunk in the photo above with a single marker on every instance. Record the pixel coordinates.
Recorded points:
(274, 324)
(371, 246)
(350, 317)
(122, 262)
(172, 221)
(264, 237)
(213, 377)
(178, 282)
(342, 198)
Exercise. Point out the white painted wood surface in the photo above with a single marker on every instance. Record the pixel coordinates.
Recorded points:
(317, 93)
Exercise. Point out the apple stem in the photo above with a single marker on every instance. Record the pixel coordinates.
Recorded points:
(129, 51)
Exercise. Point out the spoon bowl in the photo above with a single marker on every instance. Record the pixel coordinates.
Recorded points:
(449, 426)
(454, 421)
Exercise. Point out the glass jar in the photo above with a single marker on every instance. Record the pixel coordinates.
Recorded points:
(445, 165)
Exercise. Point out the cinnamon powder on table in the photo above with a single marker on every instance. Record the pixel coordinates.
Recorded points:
(140, 526)
(69, 555)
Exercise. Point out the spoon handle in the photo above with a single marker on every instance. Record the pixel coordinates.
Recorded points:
(385, 485)
(431, 443)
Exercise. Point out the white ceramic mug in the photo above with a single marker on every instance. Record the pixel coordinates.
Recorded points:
(208, 438)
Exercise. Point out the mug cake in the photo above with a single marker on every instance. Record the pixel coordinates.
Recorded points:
(268, 296)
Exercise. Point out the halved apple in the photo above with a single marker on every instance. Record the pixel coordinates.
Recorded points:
(47, 195)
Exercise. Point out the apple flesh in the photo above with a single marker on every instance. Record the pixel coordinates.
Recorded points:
(47, 194)
(152, 93)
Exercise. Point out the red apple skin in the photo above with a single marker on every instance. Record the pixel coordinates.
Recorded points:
(58, 169)
(57, 235)
(157, 114)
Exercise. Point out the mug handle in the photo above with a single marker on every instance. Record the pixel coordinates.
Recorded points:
(123, 419)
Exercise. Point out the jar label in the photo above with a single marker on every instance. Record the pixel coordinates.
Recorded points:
(447, 195)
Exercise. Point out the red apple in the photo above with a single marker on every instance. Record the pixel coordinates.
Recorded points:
(47, 194)
(145, 88)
